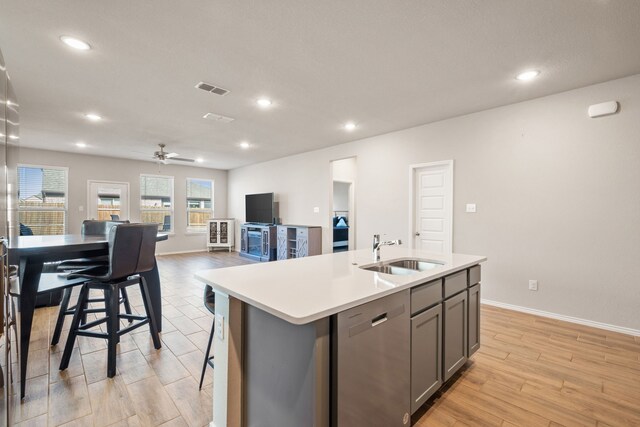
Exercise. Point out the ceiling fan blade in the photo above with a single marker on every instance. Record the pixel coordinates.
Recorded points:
(170, 155)
(182, 160)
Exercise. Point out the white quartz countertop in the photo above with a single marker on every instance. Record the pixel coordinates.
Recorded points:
(303, 290)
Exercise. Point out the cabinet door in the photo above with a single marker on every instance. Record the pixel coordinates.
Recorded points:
(474, 320)
(265, 242)
(426, 355)
(213, 232)
(455, 334)
(302, 242)
(243, 240)
(224, 231)
(282, 243)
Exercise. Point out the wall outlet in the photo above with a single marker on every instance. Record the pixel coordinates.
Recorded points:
(471, 208)
(80, 208)
(533, 285)
(220, 326)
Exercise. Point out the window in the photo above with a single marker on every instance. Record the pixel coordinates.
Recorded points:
(199, 203)
(42, 199)
(156, 201)
(108, 206)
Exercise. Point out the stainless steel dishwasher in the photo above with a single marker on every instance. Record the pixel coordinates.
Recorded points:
(371, 375)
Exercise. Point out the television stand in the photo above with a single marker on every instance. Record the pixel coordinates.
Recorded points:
(258, 241)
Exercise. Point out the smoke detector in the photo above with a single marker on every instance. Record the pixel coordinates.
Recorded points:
(212, 88)
(218, 118)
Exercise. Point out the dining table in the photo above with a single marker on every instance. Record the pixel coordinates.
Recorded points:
(30, 253)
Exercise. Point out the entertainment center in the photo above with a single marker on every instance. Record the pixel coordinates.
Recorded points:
(263, 239)
(258, 241)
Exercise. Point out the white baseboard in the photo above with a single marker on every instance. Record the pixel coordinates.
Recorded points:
(599, 325)
(191, 251)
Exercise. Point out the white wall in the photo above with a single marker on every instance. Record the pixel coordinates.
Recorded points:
(558, 196)
(85, 167)
(341, 196)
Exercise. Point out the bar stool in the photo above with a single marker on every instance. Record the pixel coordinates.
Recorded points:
(210, 304)
(131, 251)
(89, 228)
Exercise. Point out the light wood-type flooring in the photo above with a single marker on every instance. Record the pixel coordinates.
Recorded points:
(529, 371)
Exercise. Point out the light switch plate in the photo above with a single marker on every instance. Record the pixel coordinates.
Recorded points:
(533, 285)
(80, 208)
(471, 207)
(220, 326)
(316, 210)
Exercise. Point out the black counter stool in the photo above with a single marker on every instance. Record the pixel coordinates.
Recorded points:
(210, 303)
(89, 228)
(131, 251)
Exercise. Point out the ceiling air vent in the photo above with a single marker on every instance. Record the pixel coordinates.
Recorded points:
(218, 118)
(211, 88)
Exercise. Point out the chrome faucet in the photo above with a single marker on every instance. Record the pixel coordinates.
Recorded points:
(377, 244)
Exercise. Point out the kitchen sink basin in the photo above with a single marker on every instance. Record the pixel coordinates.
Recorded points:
(388, 269)
(415, 264)
(403, 267)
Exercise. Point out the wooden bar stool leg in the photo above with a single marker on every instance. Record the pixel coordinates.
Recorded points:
(206, 354)
(150, 314)
(79, 314)
(112, 303)
(111, 299)
(64, 306)
(125, 301)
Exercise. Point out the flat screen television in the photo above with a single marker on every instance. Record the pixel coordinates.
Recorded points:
(259, 208)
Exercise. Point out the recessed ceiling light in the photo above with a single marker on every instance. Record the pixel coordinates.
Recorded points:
(350, 126)
(93, 117)
(244, 145)
(75, 43)
(264, 102)
(528, 75)
(14, 137)
(81, 144)
(199, 160)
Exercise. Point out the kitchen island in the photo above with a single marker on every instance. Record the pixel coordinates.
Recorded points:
(323, 340)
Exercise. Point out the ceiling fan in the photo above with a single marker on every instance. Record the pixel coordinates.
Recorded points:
(162, 156)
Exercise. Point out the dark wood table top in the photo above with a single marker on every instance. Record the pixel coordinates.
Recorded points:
(58, 243)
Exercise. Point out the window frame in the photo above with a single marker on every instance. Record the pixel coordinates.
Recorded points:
(43, 209)
(172, 179)
(201, 229)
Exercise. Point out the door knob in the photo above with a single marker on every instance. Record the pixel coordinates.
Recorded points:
(417, 233)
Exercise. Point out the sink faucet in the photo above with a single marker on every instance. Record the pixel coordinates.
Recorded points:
(377, 244)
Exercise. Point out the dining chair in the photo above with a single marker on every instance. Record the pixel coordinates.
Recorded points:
(89, 228)
(210, 304)
(131, 252)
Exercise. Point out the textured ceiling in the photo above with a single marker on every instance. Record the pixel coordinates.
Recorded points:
(386, 65)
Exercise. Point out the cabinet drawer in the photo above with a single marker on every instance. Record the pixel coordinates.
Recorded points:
(426, 295)
(455, 283)
(303, 232)
(474, 275)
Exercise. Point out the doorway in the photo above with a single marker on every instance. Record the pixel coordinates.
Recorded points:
(107, 200)
(432, 207)
(343, 173)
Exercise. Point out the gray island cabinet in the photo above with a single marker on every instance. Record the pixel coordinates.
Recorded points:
(326, 341)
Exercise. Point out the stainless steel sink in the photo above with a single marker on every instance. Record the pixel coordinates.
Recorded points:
(415, 264)
(388, 269)
(403, 267)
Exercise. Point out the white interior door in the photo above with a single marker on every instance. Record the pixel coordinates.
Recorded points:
(432, 190)
(107, 198)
